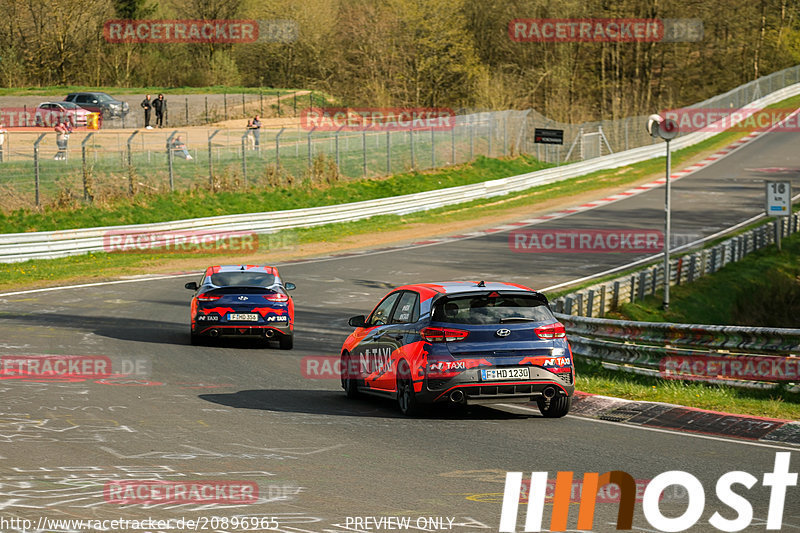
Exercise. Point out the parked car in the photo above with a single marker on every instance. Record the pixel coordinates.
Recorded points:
(99, 102)
(242, 300)
(48, 114)
(460, 343)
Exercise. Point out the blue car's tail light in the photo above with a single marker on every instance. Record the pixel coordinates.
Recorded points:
(443, 334)
(276, 297)
(551, 331)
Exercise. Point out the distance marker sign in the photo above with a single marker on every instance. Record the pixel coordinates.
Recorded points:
(779, 198)
(545, 136)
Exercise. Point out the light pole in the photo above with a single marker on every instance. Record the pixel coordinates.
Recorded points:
(667, 129)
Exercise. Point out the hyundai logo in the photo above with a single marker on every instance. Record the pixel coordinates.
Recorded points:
(243, 298)
(503, 332)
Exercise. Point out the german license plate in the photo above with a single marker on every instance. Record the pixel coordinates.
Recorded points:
(243, 317)
(494, 374)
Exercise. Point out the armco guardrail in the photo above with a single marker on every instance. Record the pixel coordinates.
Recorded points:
(46, 245)
(734, 355)
(597, 300)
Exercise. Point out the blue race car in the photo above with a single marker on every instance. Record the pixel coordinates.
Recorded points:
(242, 300)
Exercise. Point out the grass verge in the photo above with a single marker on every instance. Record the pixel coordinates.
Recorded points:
(202, 203)
(761, 290)
(778, 403)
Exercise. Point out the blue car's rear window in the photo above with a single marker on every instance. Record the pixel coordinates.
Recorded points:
(483, 309)
(242, 279)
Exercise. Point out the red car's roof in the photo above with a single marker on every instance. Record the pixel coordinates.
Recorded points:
(232, 268)
(453, 287)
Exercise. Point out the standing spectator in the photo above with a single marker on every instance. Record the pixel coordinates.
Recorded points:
(256, 127)
(160, 105)
(2, 139)
(251, 140)
(62, 130)
(147, 105)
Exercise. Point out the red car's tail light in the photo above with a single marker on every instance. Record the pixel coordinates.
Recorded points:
(276, 297)
(443, 334)
(205, 297)
(551, 331)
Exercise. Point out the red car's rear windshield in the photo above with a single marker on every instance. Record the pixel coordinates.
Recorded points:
(485, 309)
(242, 279)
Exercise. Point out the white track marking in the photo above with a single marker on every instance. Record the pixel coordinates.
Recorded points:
(668, 431)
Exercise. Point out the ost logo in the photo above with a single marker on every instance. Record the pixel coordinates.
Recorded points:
(779, 479)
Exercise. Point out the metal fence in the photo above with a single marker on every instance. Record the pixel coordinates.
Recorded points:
(599, 299)
(663, 349)
(732, 355)
(119, 162)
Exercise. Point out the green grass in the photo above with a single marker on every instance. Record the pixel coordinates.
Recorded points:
(203, 203)
(761, 290)
(778, 403)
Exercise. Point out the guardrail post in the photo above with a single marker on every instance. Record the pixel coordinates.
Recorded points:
(568, 306)
(642, 284)
(310, 154)
(579, 301)
(471, 140)
(615, 298)
(388, 152)
(453, 145)
(654, 279)
(364, 149)
(244, 158)
(433, 149)
(411, 134)
(336, 135)
(491, 130)
(505, 134)
(602, 313)
(36, 167)
(633, 288)
(130, 161)
(211, 161)
(84, 167)
(278, 148)
(170, 156)
(590, 303)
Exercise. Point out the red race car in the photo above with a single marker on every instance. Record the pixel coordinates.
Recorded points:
(463, 343)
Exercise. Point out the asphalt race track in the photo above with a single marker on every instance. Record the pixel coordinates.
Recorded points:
(239, 411)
